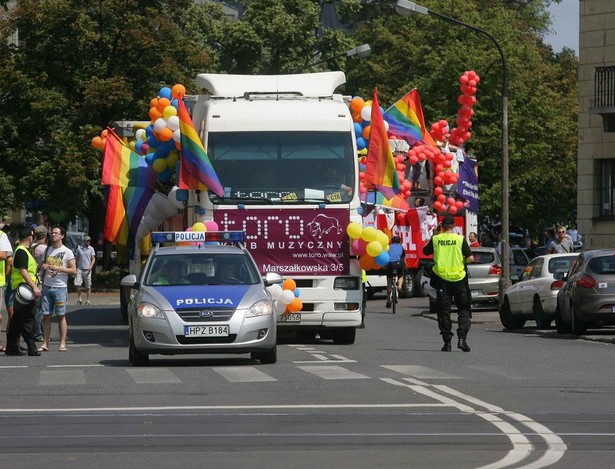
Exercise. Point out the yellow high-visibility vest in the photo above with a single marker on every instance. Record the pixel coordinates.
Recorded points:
(448, 257)
(16, 277)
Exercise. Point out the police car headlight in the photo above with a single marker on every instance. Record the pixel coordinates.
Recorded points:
(148, 310)
(262, 308)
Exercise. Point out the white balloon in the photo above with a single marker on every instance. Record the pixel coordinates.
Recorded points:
(159, 124)
(140, 134)
(173, 123)
(287, 297)
(275, 290)
(366, 113)
(280, 307)
(176, 135)
(386, 126)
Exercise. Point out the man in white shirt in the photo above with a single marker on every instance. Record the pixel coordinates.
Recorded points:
(6, 251)
(86, 258)
(58, 264)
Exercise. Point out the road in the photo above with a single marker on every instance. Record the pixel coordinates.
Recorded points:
(524, 399)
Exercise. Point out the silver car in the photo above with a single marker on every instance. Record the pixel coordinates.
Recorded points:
(587, 298)
(534, 296)
(201, 298)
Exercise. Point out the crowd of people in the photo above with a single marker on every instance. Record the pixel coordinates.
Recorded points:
(35, 269)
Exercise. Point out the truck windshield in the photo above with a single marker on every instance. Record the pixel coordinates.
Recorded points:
(282, 167)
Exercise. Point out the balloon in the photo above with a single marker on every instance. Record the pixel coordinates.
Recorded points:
(361, 143)
(374, 248)
(211, 225)
(287, 297)
(354, 230)
(165, 135)
(97, 142)
(275, 290)
(199, 226)
(295, 305)
(159, 124)
(366, 262)
(289, 284)
(159, 165)
(165, 92)
(358, 247)
(382, 259)
(169, 111)
(357, 103)
(173, 123)
(382, 238)
(296, 292)
(280, 307)
(358, 129)
(366, 113)
(162, 104)
(178, 90)
(369, 234)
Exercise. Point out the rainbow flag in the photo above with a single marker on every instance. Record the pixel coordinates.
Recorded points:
(116, 226)
(135, 201)
(406, 120)
(380, 169)
(195, 170)
(123, 167)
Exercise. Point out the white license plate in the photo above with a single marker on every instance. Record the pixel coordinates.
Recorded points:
(476, 292)
(293, 317)
(206, 331)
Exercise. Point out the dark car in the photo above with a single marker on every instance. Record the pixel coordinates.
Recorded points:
(587, 298)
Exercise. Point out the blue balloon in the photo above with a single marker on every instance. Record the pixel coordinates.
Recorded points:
(165, 92)
(165, 176)
(296, 292)
(366, 123)
(382, 259)
(153, 142)
(149, 131)
(358, 129)
(138, 146)
(149, 158)
(361, 143)
(174, 103)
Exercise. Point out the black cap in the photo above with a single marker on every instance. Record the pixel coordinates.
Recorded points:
(448, 220)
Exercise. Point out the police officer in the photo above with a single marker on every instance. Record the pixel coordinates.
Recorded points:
(451, 252)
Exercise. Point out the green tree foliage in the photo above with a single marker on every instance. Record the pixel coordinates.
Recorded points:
(430, 53)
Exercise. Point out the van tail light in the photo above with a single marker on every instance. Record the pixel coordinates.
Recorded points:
(557, 285)
(586, 281)
(495, 270)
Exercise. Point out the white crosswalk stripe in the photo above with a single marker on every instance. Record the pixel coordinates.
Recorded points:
(61, 377)
(243, 374)
(153, 376)
(333, 372)
(420, 372)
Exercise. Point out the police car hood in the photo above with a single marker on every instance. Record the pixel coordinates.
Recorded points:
(180, 297)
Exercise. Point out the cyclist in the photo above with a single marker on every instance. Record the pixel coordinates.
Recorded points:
(397, 259)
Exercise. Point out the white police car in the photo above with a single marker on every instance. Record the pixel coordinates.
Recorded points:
(203, 297)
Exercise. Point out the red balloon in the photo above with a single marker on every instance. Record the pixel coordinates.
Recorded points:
(452, 209)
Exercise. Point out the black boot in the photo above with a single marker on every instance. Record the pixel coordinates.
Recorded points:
(447, 346)
(463, 345)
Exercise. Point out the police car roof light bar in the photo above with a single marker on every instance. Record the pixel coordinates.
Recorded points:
(160, 237)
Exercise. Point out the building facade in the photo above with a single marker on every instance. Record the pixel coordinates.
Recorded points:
(596, 150)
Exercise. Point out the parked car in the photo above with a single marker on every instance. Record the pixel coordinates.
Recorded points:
(534, 296)
(587, 298)
(519, 259)
(201, 299)
(483, 279)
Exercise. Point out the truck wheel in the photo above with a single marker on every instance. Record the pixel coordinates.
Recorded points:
(344, 335)
(409, 285)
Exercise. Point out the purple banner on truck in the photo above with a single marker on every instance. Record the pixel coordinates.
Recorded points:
(293, 241)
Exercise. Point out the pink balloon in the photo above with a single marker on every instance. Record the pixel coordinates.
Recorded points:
(189, 228)
(359, 246)
(211, 225)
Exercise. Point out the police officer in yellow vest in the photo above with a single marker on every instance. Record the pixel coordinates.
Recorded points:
(22, 321)
(451, 253)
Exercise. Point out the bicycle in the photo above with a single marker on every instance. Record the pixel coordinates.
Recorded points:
(394, 287)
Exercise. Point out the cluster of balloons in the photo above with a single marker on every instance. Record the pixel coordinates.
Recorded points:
(370, 244)
(361, 111)
(100, 140)
(286, 296)
(460, 134)
(200, 226)
(439, 130)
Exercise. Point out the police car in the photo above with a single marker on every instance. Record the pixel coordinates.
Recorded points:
(202, 295)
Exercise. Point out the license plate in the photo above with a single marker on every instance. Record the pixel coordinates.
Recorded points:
(293, 317)
(612, 309)
(206, 331)
(476, 292)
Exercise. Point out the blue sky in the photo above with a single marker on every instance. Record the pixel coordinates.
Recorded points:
(565, 17)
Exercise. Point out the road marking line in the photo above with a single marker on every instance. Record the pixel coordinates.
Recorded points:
(153, 376)
(421, 372)
(61, 377)
(243, 374)
(75, 366)
(333, 372)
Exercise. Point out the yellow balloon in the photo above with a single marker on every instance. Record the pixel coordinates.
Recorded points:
(169, 111)
(374, 248)
(199, 226)
(354, 230)
(172, 160)
(132, 145)
(369, 234)
(160, 165)
(382, 238)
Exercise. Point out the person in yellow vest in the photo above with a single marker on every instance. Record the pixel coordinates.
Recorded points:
(22, 320)
(451, 253)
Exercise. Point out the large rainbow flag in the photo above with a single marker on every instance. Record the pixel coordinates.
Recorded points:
(123, 167)
(406, 120)
(380, 169)
(195, 170)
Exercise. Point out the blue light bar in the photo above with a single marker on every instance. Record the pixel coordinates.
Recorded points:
(159, 237)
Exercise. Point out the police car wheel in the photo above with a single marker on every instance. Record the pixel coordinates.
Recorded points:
(135, 357)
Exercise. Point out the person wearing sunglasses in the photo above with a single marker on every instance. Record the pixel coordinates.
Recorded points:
(562, 242)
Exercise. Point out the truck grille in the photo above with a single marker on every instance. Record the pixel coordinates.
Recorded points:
(206, 315)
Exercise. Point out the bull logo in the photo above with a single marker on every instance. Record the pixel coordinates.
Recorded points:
(322, 225)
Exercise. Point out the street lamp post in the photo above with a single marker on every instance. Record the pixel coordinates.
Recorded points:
(407, 8)
(361, 51)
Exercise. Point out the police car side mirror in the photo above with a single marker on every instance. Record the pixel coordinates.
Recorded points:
(272, 278)
(130, 281)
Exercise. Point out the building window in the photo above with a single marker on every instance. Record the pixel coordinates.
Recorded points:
(607, 186)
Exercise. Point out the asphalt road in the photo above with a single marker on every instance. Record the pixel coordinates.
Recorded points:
(523, 399)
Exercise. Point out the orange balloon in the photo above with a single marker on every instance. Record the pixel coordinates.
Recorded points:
(367, 262)
(165, 135)
(153, 102)
(295, 305)
(162, 103)
(97, 142)
(154, 114)
(289, 284)
(177, 90)
(104, 133)
(366, 130)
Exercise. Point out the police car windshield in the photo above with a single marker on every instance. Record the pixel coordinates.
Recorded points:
(201, 269)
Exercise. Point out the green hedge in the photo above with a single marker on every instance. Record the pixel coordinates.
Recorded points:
(108, 279)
